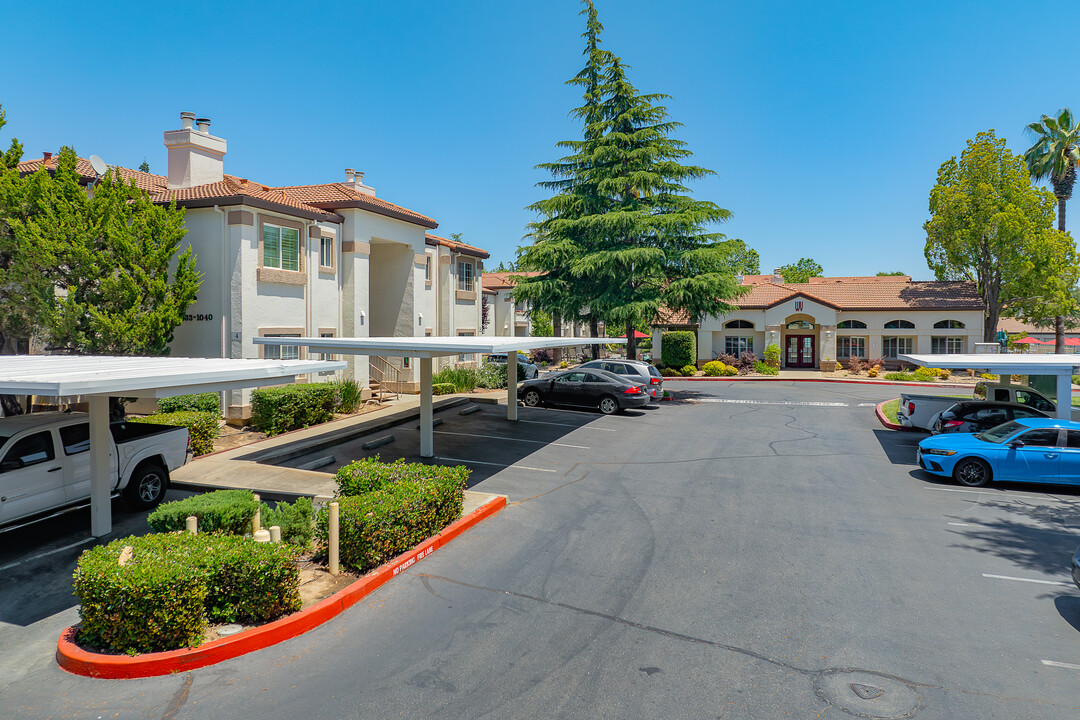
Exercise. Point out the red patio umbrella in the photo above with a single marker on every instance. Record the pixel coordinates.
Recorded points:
(1073, 341)
(638, 335)
(1032, 341)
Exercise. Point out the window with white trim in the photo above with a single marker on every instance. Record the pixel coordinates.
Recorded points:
(851, 325)
(465, 276)
(894, 346)
(850, 347)
(281, 352)
(281, 247)
(738, 345)
(739, 324)
(899, 324)
(947, 345)
(427, 268)
(948, 325)
(326, 252)
(466, 357)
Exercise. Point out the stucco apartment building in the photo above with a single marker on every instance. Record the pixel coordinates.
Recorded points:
(832, 318)
(329, 259)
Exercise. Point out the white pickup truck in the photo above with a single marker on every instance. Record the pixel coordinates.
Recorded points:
(45, 463)
(920, 411)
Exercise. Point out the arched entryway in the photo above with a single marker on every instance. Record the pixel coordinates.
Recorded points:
(800, 335)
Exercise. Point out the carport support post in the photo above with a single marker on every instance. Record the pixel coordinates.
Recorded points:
(100, 467)
(427, 431)
(1064, 396)
(511, 385)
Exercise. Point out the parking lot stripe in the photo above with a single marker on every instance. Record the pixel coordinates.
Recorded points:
(501, 437)
(984, 492)
(963, 524)
(481, 462)
(772, 402)
(44, 554)
(1067, 666)
(579, 427)
(1027, 580)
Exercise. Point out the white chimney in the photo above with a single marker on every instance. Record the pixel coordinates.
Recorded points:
(354, 180)
(350, 176)
(195, 156)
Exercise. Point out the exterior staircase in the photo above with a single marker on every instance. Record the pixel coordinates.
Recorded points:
(384, 380)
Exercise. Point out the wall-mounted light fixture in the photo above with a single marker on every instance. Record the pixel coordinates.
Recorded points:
(361, 317)
(420, 319)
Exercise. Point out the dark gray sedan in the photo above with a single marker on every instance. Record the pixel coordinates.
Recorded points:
(600, 389)
(973, 416)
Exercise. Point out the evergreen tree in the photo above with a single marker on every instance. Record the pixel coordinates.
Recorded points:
(622, 237)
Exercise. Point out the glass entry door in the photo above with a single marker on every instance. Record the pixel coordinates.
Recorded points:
(800, 351)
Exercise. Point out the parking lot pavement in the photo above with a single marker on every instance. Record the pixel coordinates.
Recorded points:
(760, 559)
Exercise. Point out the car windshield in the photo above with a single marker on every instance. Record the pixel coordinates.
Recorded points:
(999, 433)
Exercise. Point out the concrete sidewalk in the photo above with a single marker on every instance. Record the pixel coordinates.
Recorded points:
(253, 467)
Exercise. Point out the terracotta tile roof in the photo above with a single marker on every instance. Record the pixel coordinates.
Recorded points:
(1016, 325)
(859, 279)
(458, 247)
(756, 279)
(886, 293)
(333, 196)
(503, 280)
(313, 200)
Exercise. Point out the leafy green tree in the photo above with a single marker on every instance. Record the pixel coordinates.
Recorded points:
(622, 237)
(801, 271)
(890, 274)
(1054, 157)
(989, 225)
(95, 274)
(541, 323)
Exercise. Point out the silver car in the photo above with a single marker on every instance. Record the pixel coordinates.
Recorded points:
(531, 370)
(637, 370)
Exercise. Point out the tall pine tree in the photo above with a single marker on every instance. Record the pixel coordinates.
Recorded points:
(622, 236)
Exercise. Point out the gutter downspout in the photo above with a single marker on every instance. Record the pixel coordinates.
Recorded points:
(226, 292)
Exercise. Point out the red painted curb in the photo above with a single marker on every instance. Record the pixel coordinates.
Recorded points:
(78, 661)
(882, 419)
(888, 383)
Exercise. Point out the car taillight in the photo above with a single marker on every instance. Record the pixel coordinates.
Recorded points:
(633, 390)
(654, 381)
(910, 409)
(954, 423)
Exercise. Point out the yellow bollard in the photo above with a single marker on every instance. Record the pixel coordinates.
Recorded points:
(275, 534)
(262, 536)
(333, 538)
(192, 524)
(256, 522)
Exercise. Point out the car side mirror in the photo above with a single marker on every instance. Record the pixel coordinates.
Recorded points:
(1016, 444)
(9, 465)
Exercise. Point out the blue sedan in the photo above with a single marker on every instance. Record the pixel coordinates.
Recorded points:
(1038, 450)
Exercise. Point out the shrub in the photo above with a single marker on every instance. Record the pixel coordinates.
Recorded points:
(202, 402)
(563, 365)
(925, 374)
(385, 509)
(905, 376)
(873, 371)
(280, 409)
(227, 511)
(678, 348)
(772, 355)
(713, 368)
(348, 396)
(839, 367)
(442, 388)
(463, 379)
(202, 427)
(747, 360)
(730, 370)
(856, 364)
(688, 370)
(728, 359)
(540, 356)
(944, 373)
(295, 520)
(763, 368)
(670, 372)
(162, 597)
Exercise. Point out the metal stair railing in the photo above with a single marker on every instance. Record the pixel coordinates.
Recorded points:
(384, 379)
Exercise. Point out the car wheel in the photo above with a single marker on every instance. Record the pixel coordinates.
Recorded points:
(609, 405)
(531, 398)
(147, 486)
(972, 472)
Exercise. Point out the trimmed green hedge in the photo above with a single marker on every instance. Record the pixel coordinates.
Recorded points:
(202, 427)
(295, 520)
(290, 407)
(442, 388)
(385, 509)
(173, 584)
(202, 402)
(227, 511)
(678, 348)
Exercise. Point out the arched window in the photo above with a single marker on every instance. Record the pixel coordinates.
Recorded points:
(738, 324)
(851, 325)
(899, 324)
(948, 325)
(800, 325)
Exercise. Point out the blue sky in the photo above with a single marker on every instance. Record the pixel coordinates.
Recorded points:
(825, 122)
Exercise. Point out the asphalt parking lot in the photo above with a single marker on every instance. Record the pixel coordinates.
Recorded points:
(752, 550)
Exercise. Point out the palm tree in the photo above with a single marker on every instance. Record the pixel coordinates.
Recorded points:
(1054, 157)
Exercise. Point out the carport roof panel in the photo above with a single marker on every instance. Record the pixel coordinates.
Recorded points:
(1000, 363)
(70, 375)
(431, 346)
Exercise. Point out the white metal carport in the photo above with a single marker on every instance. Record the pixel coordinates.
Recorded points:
(99, 377)
(426, 348)
(1062, 366)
